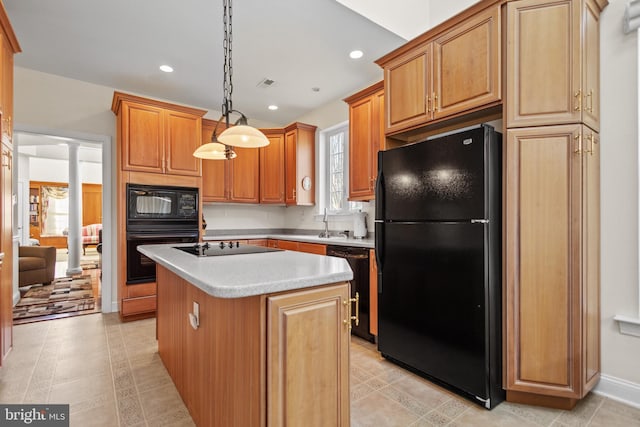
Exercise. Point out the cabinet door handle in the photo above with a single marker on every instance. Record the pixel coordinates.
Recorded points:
(578, 139)
(435, 102)
(589, 97)
(294, 193)
(592, 142)
(428, 104)
(350, 318)
(578, 97)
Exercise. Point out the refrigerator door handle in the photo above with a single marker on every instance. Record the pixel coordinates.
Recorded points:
(379, 250)
(380, 214)
(479, 221)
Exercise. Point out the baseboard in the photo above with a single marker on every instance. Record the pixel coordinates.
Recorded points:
(618, 389)
(114, 306)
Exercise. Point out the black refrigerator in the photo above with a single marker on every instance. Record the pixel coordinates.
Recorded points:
(438, 249)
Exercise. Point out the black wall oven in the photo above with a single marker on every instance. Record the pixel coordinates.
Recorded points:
(157, 215)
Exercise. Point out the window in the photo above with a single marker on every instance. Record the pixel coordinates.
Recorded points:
(55, 210)
(337, 170)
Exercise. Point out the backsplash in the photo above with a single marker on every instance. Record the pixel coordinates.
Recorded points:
(245, 217)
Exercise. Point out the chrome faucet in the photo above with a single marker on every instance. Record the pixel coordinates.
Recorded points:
(325, 219)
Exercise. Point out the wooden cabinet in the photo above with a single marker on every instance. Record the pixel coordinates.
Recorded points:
(6, 247)
(235, 180)
(157, 137)
(366, 137)
(7, 89)
(552, 264)
(299, 157)
(214, 172)
(294, 398)
(552, 204)
(254, 370)
(453, 72)
(312, 248)
(373, 293)
(564, 86)
(8, 47)
(272, 173)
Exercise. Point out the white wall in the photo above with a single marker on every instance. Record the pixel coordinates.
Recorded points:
(55, 170)
(242, 217)
(619, 192)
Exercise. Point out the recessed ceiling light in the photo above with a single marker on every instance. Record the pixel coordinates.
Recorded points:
(166, 68)
(272, 107)
(355, 54)
(315, 89)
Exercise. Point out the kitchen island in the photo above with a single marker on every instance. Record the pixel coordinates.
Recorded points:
(255, 339)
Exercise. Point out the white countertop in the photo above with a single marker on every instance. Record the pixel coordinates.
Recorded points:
(309, 238)
(236, 276)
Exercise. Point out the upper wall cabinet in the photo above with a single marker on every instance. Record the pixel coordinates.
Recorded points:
(366, 138)
(299, 156)
(272, 168)
(233, 180)
(454, 72)
(564, 87)
(156, 136)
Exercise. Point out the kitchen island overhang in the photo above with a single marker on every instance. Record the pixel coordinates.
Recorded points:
(272, 350)
(237, 276)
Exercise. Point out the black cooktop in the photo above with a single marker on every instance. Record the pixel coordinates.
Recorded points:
(224, 248)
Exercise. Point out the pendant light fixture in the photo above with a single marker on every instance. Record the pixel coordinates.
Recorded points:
(241, 134)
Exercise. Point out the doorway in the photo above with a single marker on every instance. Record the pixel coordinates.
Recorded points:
(41, 176)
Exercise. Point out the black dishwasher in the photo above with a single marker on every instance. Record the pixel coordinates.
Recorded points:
(358, 259)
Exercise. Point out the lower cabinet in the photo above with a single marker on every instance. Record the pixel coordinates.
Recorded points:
(308, 358)
(552, 284)
(312, 248)
(248, 361)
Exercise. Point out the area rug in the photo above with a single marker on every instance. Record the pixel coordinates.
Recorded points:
(89, 261)
(64, 295)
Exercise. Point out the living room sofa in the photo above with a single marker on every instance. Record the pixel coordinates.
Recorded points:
(36, 264)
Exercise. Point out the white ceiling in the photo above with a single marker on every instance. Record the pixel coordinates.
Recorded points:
(55, 147)
(300, 44)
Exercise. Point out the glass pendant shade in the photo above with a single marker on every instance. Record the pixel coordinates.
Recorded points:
(213, 151)
(243, 136)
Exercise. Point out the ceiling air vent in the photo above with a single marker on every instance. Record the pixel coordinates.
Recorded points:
(265, 83)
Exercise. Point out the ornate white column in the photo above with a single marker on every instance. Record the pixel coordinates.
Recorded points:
(75, 211)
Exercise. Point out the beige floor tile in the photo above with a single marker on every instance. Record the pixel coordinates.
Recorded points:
(432, 418)
(376, 410)
(178, 418)
(583, 412)
(100, 416)
(537, 414)
(161, 401)
(418, 407)
(130, 410)
(430, 395)
(453, 407)
(614, 414)
(480, 417)
(151, 376)
(359, 391)
(84, 393)
(81, 367)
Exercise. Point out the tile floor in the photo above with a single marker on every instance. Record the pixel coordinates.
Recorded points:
(111, 375)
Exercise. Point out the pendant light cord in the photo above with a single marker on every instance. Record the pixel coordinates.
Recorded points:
(227, 103)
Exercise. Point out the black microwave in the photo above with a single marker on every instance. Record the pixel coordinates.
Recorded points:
(157, 208)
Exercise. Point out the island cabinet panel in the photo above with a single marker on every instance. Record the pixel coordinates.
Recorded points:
(366, 137)
(564, 87)
(272, 168)
(552, 263)
(320, 399)
(312, 248)
(218, 368)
